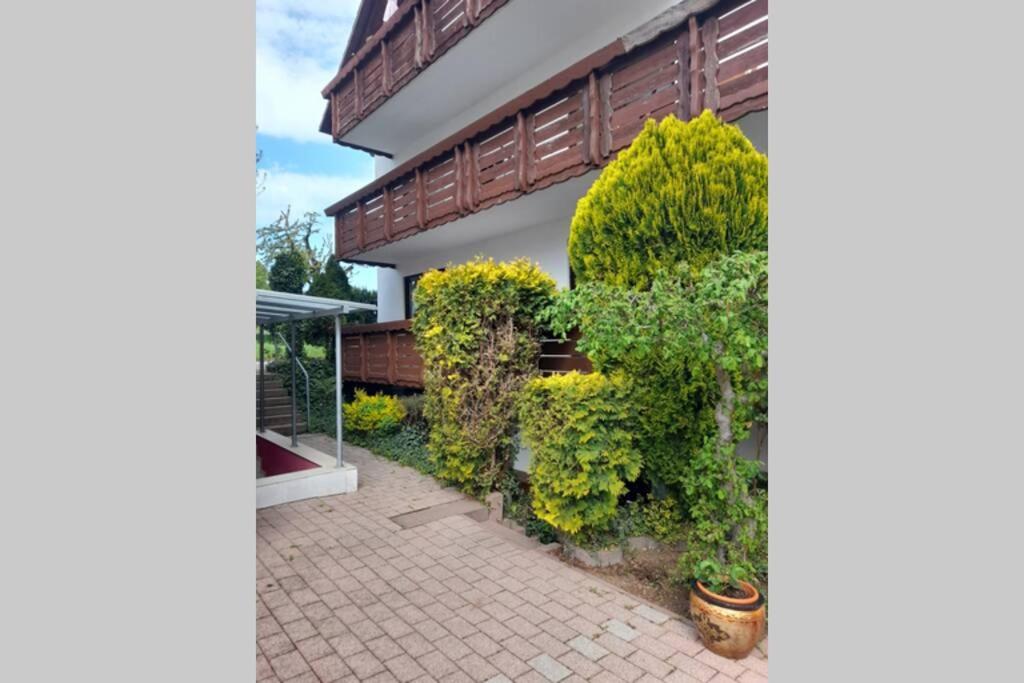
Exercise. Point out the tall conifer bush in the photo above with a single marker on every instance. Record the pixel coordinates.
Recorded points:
(681, 192)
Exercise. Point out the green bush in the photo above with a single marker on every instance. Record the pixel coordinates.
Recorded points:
(413, 405)
(518, 507)
(661, 519)
(476, 327)
(681, 192)
(405, 445)
(376, 413)
(577, 427)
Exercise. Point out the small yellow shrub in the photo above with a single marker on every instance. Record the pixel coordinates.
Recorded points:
(378, 413)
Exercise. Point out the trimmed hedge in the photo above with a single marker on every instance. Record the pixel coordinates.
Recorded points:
(578, 428)
(476, 326)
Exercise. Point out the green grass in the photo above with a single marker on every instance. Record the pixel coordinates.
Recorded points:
(272, 350)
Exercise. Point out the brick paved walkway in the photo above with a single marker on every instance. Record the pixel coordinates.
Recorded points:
(345, 594)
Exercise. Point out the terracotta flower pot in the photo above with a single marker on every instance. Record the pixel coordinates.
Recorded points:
(730, 627)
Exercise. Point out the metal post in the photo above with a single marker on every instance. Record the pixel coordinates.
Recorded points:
(263, 396)
(337, 383)
(295, 427)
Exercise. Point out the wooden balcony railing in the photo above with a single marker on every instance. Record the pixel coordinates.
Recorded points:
(385, 353)
(573, 123)
(417, 34)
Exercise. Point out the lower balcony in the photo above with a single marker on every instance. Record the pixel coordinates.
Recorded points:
(385, 353)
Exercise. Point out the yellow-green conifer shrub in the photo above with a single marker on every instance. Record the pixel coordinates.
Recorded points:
(681, 192)
(376, 413)
(582, 453)
(476, 326)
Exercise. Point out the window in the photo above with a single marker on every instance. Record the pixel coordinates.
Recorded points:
(410, 285)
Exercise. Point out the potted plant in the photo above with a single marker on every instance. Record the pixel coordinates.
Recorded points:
(729, 612)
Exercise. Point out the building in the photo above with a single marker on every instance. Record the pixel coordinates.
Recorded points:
(489, 119)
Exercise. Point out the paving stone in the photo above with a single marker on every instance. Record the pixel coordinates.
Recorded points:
(621, 668)
(289, 665)
(330, 668)
(404, 668)
(437, 664)
(314, 648)
(364, 664)
(650, 614)
(588, 648)
(620, 630)
(549, 667)
(345, 594)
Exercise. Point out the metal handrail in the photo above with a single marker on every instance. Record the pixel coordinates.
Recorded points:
(309, 416)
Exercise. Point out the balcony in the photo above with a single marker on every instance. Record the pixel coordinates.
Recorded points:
(385, 353)
(570, 125)
(385, 98)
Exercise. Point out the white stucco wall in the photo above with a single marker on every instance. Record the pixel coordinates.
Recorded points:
(390, 295)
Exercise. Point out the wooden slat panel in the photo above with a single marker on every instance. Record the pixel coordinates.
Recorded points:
(641, 62)
(448, 24)
(440, 187)
(557, 134)
(661, 76)
(742, 63)
(744, 87)
(643, 108)
(402, 46)
(372, 81)
(346, 226)
(745, 38)
(740, 18)
(373, 221)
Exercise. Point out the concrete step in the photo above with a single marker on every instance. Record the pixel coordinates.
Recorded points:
(285, 429)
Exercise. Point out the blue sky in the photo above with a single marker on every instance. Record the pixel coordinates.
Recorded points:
(298, 46)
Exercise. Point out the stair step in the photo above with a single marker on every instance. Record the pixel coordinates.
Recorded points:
(280, 411)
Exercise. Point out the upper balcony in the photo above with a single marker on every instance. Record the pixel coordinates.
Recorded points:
(396, 95)
(575, 122)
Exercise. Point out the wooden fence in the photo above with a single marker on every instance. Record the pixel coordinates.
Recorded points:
(385, 353)
(715, 61)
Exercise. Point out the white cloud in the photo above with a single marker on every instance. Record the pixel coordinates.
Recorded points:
(299, 44)
(305, 192)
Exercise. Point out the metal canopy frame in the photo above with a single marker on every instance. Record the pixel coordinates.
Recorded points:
(280, 307)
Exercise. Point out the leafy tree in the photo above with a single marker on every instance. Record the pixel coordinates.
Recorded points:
(332, 282)
(262, 276)
(681, 192)
(286, 235)
(288, 273)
